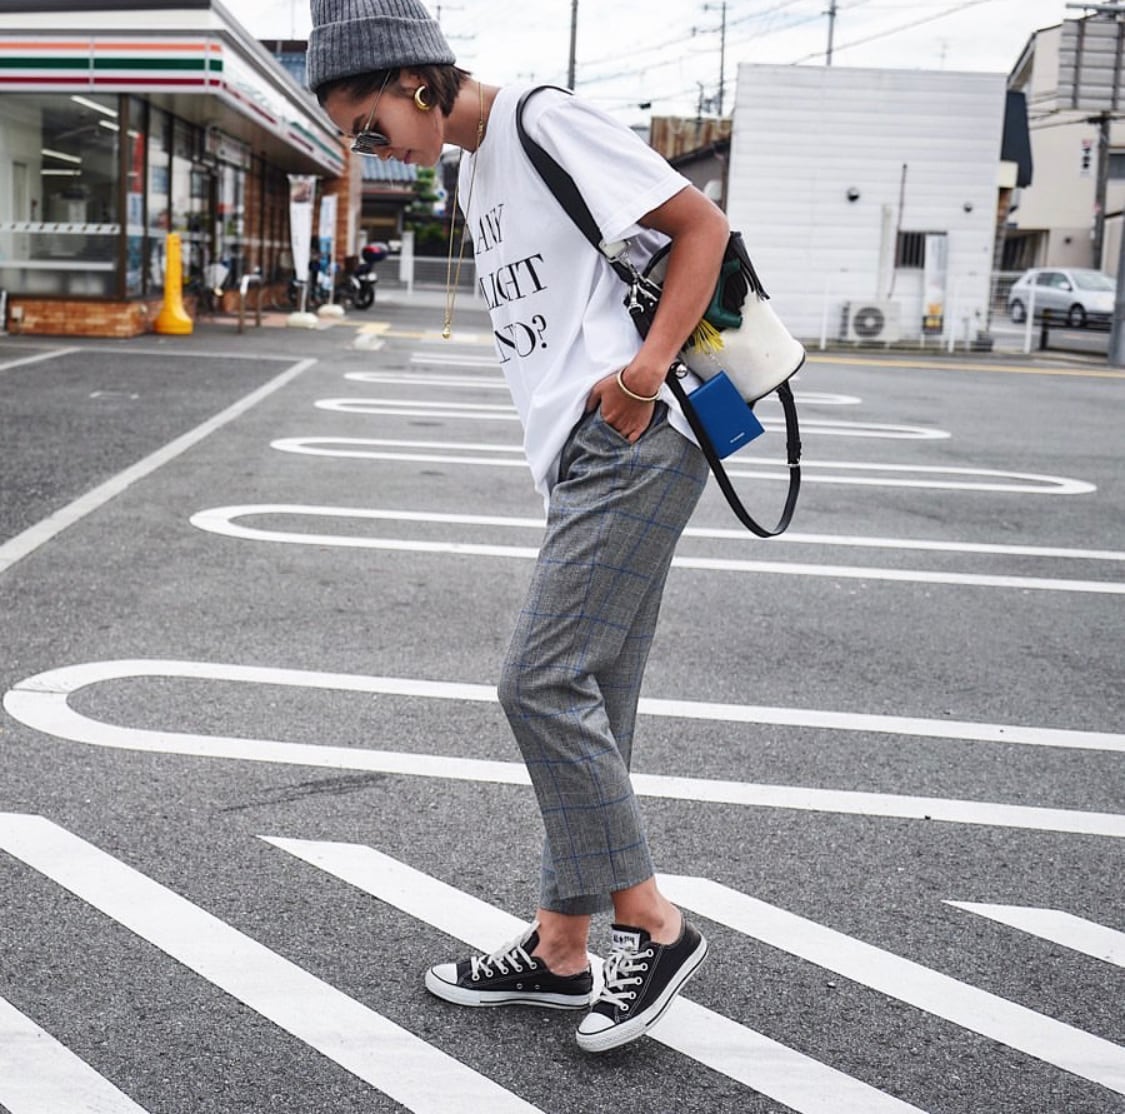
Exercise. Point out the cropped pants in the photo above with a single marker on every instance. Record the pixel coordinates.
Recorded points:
(572, 677)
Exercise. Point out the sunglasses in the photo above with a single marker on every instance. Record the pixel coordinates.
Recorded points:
(366, 141)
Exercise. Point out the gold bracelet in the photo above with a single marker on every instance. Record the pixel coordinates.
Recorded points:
(631, 394)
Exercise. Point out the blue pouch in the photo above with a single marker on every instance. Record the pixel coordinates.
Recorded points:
(725, 415)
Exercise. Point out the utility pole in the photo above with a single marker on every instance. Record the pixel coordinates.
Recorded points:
(573, 43)
(1103, 122)
(831, 13)
(722, 9)
(1116, 12)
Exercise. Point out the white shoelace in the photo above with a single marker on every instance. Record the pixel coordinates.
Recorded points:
(620, 972)
(510, 955)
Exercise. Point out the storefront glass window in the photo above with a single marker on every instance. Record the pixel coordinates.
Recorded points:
(135, 199)
(159, 194)
(191, 193)
(59, 224)
(232, 220)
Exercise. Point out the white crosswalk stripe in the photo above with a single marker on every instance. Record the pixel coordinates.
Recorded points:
(360, 1040)
(1058, 927)
(1049, 1040)
(38, 1075)
(799, 1082)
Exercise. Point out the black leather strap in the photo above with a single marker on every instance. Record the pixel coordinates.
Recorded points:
(566, 192)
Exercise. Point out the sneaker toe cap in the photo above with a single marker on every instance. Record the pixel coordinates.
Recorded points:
(444, 973)
(594, 1023)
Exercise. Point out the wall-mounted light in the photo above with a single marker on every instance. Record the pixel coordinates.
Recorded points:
(968, 206)
(853, 193)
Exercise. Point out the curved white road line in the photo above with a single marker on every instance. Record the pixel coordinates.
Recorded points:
(368, 448)
(718, 533)
(497, 382)
(479, 411)
(445, 359)
(40, 702)
(220, 520)
(414, 378)
(409, 406)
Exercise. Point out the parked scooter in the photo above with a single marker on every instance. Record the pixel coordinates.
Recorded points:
(364, 278)
(357, 287)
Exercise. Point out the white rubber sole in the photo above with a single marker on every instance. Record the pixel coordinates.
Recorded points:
(462, 996)
(637, 1026)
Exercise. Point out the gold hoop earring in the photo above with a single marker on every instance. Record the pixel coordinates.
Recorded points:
(420, 98)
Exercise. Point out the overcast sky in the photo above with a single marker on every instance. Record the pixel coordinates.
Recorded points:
(631, 51)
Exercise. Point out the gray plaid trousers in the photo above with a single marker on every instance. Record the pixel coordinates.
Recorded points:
(572, 677)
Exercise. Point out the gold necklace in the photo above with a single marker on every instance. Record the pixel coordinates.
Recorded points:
(453, 280)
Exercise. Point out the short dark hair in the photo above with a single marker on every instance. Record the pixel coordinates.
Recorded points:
(443, 83)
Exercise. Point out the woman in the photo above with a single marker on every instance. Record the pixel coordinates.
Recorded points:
(613, 459)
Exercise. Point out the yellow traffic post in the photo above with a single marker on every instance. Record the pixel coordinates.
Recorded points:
(173, 318)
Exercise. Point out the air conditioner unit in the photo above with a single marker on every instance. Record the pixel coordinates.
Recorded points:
(873, 322)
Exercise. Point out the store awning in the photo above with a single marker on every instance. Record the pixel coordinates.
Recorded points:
(196, 61)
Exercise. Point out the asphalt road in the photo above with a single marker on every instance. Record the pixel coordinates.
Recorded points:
(253, 595)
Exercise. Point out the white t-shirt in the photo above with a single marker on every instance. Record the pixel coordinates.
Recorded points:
(557, 307)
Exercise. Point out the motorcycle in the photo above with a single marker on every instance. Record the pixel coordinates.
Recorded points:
(363, 278)
(358, 287)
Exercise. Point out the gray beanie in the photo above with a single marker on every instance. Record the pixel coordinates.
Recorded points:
(351, 37)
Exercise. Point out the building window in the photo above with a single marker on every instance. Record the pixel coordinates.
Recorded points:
(191, 200)
(59, 227)
(134, 198)
(1117, 165)
(910, 252)
(158, 200)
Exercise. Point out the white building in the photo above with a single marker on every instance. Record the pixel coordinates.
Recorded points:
(868, 198)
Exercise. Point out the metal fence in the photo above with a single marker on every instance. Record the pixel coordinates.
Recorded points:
(963, 321)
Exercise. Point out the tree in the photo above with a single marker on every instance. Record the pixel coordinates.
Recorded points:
(429, 233)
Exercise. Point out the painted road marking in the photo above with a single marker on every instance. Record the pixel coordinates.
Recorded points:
(38, 1075)
(434, 336)
(40, 702)
(184, 354)
(717, 533)
(435, 359)
(1060, 928)
(54, 524)
(781, 1073)
(414, 378)
(497, 382)
(927, 365)
(1016, 1026)
(61, 683)
(361, 1041)
(367, 448)
(478, 411)
(38, 358)
(220, 520)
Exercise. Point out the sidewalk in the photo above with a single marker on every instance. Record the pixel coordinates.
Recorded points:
(423, 309)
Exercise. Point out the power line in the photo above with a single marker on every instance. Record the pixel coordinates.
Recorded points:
(896, 30)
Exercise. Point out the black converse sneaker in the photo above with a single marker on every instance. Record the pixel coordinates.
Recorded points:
(641, 981)
(510, 977)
